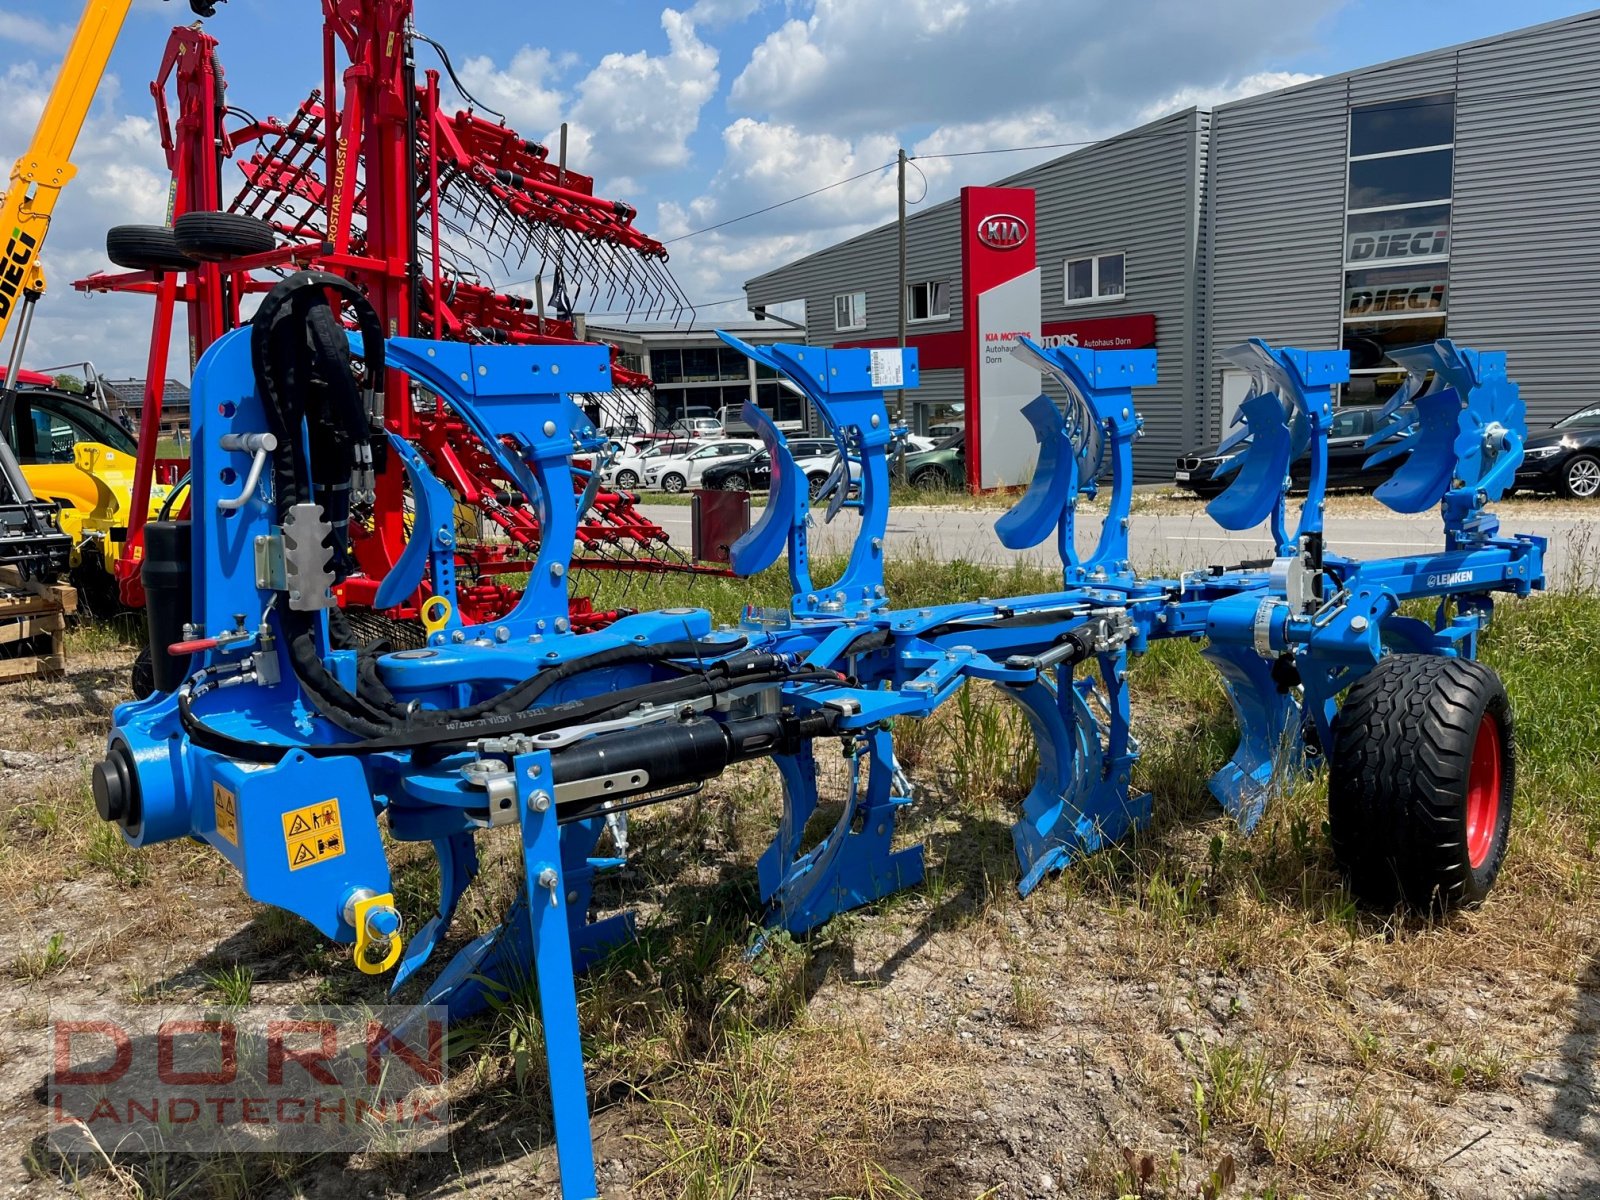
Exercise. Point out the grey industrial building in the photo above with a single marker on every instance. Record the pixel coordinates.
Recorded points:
(1451, 193)
(696, 374)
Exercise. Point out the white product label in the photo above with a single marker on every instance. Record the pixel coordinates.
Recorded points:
(888, 369)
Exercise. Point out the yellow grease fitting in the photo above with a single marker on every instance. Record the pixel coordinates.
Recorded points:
(435, 614)
(364, 962)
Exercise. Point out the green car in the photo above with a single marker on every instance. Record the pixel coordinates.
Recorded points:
(944, 468)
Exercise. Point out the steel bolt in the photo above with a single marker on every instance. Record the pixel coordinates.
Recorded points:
(1359, 624)
(549, 429)
(539, 802)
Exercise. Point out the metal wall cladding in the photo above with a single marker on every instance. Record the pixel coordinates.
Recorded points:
(1525, 257)
(1137, 194)
(1233, 226)
(1275, 225)
(1524, 249)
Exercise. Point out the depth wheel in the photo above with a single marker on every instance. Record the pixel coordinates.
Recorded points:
(1420, 782)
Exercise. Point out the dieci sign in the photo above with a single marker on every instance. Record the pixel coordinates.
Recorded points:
(1001, 280)
(1422, 297)
(1388, 245)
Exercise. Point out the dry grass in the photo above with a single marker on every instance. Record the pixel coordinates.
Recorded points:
(1208, 1011)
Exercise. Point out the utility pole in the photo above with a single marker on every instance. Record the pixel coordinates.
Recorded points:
(900, 401)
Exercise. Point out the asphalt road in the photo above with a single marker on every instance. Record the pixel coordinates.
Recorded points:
(1177, 537)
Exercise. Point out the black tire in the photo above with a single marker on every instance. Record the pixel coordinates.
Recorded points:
(143, 677)
(627, 480)
(219, 236)
(673, 482)
(930, 479)
(815, 484)
(98, 592)
(146, 248)
(1421, 781)
(736, 483)
(1580, 478)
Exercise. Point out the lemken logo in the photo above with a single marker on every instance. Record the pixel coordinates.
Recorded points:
(1449, 579)
(1002, 231)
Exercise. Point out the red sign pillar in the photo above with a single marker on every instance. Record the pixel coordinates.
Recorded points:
(1000, 292)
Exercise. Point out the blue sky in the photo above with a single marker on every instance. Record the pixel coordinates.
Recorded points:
(702, 112)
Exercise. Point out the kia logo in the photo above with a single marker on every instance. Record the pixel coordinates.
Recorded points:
(1002, 231)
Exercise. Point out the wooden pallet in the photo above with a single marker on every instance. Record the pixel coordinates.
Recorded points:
(33, 617)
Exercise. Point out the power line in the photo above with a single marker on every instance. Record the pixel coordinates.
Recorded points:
(1410, 105)
(827, 187)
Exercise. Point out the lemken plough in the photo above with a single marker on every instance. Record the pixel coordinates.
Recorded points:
(289, 746)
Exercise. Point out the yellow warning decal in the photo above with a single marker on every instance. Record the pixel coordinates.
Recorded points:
(227, 809)
(313, 834)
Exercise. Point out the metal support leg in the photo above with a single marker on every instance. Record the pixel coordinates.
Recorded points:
(552, 965)
(854, 864)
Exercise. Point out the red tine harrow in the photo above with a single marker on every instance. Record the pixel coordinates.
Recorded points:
(423, 207)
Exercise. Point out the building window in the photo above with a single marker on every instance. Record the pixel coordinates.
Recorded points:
(1397, 236)
(1098, 278)
(928, 301)
(850, 310)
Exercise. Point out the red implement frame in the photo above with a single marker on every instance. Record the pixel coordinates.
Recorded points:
(410, 201)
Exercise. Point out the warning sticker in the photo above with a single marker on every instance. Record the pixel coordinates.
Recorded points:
(313, 834)
(227, 809)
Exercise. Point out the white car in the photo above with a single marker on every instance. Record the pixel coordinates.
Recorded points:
(627, 470)
(697, 428)
(677, 472)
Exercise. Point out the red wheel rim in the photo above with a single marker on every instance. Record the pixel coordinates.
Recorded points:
(1483, 792)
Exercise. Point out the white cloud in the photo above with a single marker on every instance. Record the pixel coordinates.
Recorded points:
(857, 65)
(523, 92)
(33, 33)
(636, 112)
(718, 13)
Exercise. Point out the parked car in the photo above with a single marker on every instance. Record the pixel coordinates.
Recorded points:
(627, 470)
(1347, 459)
(697, 427)
(814, 456)
(674, 473)
(915, 443)
(941, 469)
(1564, 458)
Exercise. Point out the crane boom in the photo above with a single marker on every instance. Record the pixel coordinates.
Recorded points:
(46, 166)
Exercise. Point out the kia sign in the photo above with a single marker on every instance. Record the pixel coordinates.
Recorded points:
(1002, 231)
(1389, 245)
(1000, 290)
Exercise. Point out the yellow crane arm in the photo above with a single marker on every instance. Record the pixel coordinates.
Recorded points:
(46, 167)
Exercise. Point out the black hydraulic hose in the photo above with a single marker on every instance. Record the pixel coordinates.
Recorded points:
(534, 721)
(522, 695)
(372, 711)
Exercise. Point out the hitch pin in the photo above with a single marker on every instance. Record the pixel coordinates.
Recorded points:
(258, 444)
